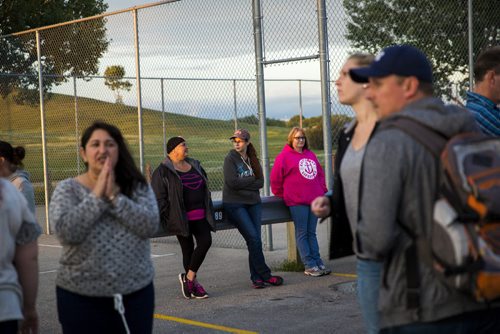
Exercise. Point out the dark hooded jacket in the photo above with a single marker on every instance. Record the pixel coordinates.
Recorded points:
(167, 187)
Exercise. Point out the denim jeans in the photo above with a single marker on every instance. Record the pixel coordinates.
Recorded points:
(478, 322)
(305, 223)
(369, 273)
(247, 219)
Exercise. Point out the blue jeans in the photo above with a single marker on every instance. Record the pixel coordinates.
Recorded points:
(477, 322)
(305, 223)
(248, 220)
(369, 273)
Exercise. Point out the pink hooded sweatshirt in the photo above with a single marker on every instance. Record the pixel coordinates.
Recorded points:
(297, 177)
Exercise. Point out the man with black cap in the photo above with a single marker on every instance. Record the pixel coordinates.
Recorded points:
(398, 188)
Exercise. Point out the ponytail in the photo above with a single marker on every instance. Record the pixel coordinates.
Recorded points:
(254, 161)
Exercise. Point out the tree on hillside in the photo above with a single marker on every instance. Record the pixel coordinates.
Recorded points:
(68, 50)
(315, 130)
(294, 121)
(439, 28)
(113, 78)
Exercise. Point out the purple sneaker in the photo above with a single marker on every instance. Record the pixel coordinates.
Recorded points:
(187, 286)
(198, 292)
(274, 280)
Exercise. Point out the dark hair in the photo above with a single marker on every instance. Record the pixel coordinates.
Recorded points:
(127, 175)
(14, 155)
(487, 60)
(254, 161)
(291, 136)
(427, 88)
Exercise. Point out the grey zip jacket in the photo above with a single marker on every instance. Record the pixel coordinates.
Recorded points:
(399, 184)
(21, 179)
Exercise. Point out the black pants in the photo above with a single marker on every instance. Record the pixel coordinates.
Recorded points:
(8, 327)
(192, 257)
(82, 314)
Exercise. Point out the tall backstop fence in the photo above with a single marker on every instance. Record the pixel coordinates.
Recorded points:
(200, 69)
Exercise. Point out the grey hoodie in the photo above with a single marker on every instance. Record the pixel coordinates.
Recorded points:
(21, 180)
(399, 183)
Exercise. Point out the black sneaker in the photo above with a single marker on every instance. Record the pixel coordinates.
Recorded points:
(186, 286)
(258, 284)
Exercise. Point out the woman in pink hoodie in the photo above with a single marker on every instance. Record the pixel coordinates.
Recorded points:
(298, 178)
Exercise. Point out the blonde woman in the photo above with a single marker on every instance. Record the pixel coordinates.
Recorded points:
(298, 178)
(343, 205)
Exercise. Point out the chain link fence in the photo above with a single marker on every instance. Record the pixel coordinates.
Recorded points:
(196, 64)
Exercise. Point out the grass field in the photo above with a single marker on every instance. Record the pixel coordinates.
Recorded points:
(207, 138)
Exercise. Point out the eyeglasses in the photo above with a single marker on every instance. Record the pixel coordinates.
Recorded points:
(300, 138)
(237, 141)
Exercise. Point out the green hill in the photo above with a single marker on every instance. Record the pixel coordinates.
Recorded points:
(207, 138)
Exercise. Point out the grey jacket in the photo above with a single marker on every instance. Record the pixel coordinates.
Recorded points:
(21, 179)
(240, 184)
(167, 187)
(399, 184)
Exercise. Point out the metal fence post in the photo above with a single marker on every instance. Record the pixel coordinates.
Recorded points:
(471, 45)
(139, 93)
(46, 179)
(77, 135)
(301, 110)
(163, 118)
(235, 106)
(325, 91)
(259, 66)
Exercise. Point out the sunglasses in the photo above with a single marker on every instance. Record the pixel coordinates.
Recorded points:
(300, 138)
(235, 140)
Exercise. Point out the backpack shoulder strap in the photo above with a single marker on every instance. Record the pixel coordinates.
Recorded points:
(434, 142)
(431, 139)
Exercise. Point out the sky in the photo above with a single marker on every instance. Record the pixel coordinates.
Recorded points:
(213, 39)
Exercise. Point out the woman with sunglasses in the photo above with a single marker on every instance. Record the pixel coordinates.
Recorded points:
(242, 180)
(298, 178)
(342, 206)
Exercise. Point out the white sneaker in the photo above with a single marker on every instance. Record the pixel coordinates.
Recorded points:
(314, 272)
(325, 270)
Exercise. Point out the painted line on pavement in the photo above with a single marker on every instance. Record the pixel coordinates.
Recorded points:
(203, 324)
(345, 275)
(161, 255)
(48, 271)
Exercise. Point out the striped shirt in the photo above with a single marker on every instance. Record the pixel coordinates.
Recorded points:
(486, 113)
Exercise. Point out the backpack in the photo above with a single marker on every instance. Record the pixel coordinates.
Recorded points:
(465, 237)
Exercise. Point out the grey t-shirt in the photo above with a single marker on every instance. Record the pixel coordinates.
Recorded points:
(350, 170)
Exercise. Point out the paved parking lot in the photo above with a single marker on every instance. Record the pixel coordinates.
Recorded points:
(302, 305)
